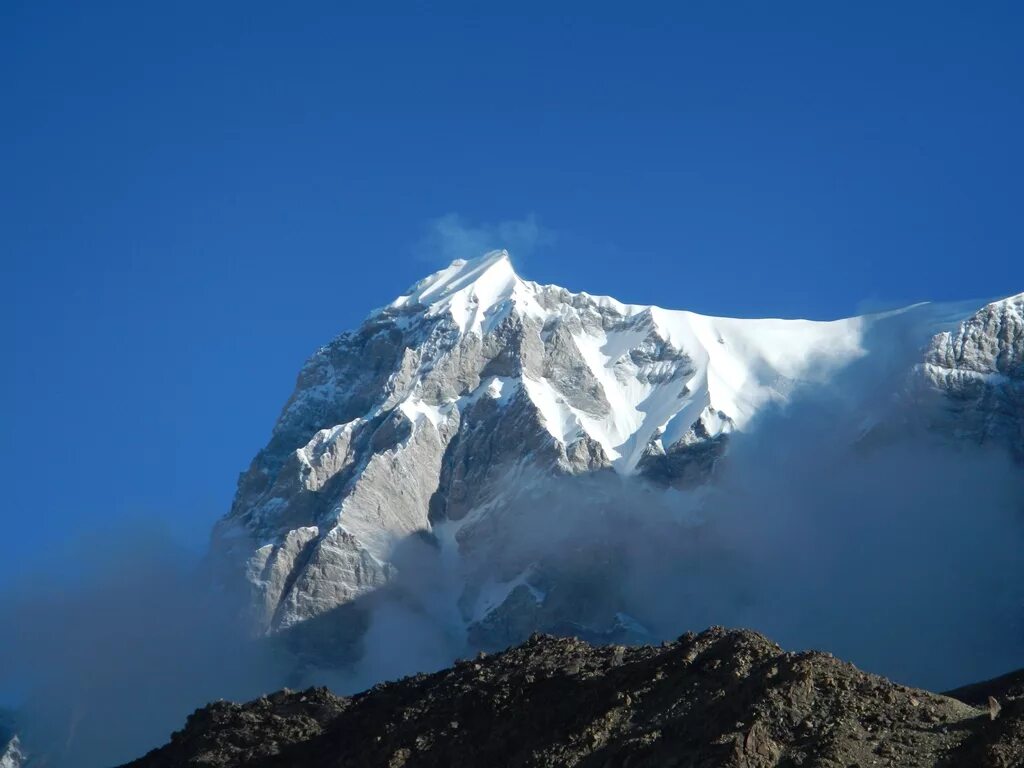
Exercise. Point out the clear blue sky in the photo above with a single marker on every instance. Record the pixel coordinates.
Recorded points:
(196, 195)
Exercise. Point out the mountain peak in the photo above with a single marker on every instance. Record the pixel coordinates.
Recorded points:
(466, 288)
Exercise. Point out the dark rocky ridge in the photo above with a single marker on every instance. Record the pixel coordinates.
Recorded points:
(727, 698)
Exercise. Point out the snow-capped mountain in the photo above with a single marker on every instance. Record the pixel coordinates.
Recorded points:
(475, 382)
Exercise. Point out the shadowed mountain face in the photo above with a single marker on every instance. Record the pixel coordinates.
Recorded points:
(721, 698)
(442, 417)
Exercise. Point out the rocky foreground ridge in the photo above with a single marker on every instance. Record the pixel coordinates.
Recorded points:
(727, 698)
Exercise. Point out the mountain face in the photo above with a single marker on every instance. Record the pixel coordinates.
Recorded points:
(436, 423)
(720, 698)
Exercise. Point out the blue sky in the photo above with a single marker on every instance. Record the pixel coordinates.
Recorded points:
(196, 195)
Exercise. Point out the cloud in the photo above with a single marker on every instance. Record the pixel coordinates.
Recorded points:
(451, 237)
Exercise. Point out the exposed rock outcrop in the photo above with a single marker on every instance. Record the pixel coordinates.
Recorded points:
(978, 368)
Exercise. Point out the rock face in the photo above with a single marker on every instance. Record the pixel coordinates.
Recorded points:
(721, 698)
(979, 368)
(434, 419)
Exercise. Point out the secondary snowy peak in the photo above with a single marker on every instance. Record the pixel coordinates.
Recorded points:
(979, 367)
(427, 419)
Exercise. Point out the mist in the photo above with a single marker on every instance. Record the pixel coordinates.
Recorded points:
(829, 523)
(903, 558)
(110, 645)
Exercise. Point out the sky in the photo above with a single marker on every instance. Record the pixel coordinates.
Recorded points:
(194, 196)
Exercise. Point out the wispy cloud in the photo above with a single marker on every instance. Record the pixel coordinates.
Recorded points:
(451, 237)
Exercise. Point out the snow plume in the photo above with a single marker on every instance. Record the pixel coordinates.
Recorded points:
(107, 658)
(451, 237)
